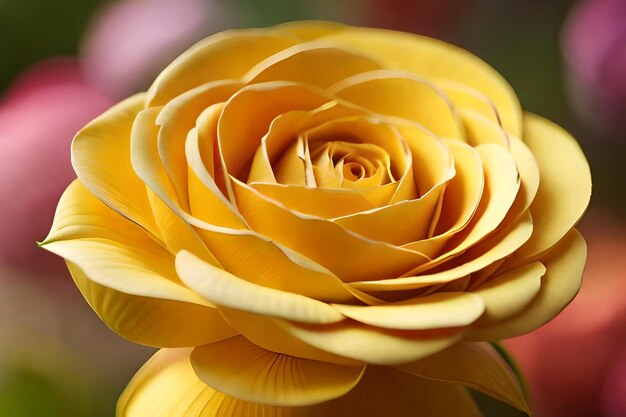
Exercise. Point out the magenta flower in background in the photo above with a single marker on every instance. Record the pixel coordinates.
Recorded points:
(594, 47)
(39, 116)
(576, 364)
(614, 392)
(129, 41)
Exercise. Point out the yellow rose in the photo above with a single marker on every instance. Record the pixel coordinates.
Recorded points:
(323, 220)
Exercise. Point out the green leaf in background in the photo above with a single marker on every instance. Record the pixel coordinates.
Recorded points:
(254, 13)
(31, 30)
(25, 393)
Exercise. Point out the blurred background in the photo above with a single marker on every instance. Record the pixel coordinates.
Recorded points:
(63, 62)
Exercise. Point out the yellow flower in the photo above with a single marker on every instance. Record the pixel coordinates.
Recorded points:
(322, 220)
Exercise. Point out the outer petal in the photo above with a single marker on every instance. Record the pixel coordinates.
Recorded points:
(435, 60)
(312, 63)
(388, 392)
(564, 267)
(226, 55)
(442, 310)
(243, 370)
(128, 278)
(224, 288)
(381, 392)
(101, 159)
(398, 94)
(374, 345)
(152, 321)
(564, 187)
(507, 294)
(167, 386)
(476, 365)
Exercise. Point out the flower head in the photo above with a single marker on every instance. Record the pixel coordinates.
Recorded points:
(313, 207)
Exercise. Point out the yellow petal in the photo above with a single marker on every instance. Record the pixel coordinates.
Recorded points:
(285, 127)
(179, 116)
(326, 243)
(529, 175)
(564, 266)
(507, 294)
(223, 288)
(436, 60)
(481, 130)
(257, 259)
(564, 188)
(374, 345)
(501, 187)
(460, 200)
(167, 386)
(432, 160)
(101, 159)
(152, 321)
(207, 202)
(481, 255)
(450, 309)
(311, 63)
(267, 333)
(226, 55)
(239, 141)
(243, 252)
(385, 391)
(319, 202)
(380, 391)
(245, 371)
(402, 95)
(109, 248)
(382, 223)
(128, 278)
(175, 233)
(476, 365)
(465, 98)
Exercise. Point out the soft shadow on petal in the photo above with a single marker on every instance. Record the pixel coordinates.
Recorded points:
(129, 278)
(225, 289)
(564, 186)
(389, 392)
(101, 159)
(564, 267)
(152, 321)
(243, 370)
(167, 386)
(476, 365)
(435, 311)
(435, 60)
(179, 116)
(509, 293)
(374, 345)
(348, 255)
(381, 392)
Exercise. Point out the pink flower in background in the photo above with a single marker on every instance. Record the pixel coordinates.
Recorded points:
(594, 47)
(576, 364)
(39, 116)
(129, 41)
